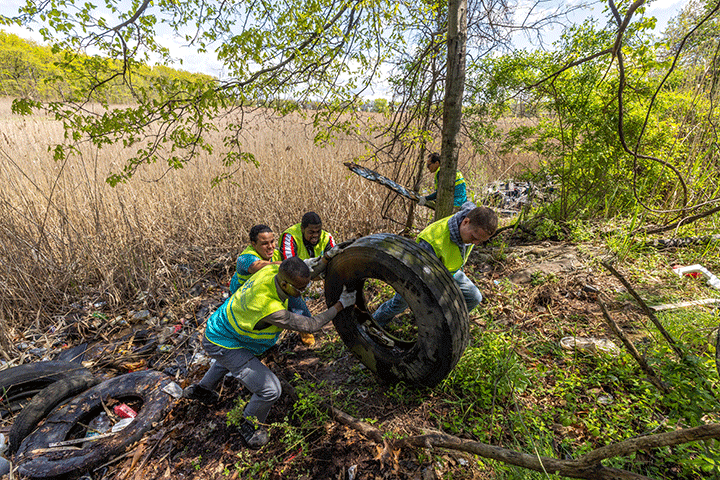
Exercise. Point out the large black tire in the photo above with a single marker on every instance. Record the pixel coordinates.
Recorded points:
(19, 384)
(441, 317)
(44, 402)
(35, 461)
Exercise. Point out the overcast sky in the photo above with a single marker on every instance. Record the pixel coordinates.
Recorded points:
(663, 10)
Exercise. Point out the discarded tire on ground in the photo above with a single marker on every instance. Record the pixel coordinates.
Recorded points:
(36, 460)
(44, 402)
(19, 384)
(441, 316)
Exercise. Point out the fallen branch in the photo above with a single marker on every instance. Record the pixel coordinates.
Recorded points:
(587, 466)
(566, 468)
(76, 441)
(363, 427)
(646, 309)
(631, 348)
(667, 439)
(683, 221)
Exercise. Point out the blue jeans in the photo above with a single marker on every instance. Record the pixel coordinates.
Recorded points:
(397, 304)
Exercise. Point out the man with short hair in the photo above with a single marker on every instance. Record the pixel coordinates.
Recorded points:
(433, 164)
(451, 239)
(260, 253)
(247, 325)
(305, 240)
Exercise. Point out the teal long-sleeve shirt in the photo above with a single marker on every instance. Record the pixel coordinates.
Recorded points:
(460, 189)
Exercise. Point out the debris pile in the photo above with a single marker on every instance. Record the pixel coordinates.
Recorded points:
(509, 196)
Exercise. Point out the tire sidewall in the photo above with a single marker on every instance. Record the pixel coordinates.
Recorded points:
(433, 296)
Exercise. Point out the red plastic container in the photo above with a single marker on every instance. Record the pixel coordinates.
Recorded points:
(124, 411)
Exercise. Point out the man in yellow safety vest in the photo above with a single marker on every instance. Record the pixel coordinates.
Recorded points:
(451, 239)
(306, 240)
(248, 324)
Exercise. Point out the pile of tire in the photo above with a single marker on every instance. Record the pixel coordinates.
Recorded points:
(67, 396)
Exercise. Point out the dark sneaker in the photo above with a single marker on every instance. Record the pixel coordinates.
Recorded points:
(201, 394)
(254, 437)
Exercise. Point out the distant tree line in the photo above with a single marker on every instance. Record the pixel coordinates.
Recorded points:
(29, 70)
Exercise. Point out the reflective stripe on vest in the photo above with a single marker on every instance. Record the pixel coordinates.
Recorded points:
(437, 234)
(459, 194)
(238, 280)
(233, 324)
(296, 233)
(459, 179)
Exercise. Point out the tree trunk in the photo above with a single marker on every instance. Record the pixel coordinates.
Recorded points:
(425, 126)
(452, 106)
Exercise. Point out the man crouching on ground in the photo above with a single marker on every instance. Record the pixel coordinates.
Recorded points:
(248, 324)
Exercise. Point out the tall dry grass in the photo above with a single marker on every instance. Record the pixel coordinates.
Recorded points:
(69, 240)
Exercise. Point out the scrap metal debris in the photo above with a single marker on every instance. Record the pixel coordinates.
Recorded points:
(373, 176)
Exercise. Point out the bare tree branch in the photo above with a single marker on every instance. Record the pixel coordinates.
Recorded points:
(586, 466)
(652, 376)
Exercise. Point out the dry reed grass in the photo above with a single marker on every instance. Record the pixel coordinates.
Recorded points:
(68, 238)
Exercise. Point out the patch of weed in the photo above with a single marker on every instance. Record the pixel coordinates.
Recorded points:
(249, 467)
(487, 376)
(332, 348)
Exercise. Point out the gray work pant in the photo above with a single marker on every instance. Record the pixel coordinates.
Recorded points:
(250, 371)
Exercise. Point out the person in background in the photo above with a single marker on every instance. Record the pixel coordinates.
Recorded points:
(433, 164)
(260, 253)
(246, 325)
(305, 240)
(451, 239)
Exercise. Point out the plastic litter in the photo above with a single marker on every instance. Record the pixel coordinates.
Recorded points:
(199, 359)
(123, 411)
(141, 315)
(689, 303)
(693, 270)
(605, 399)
(98, 425)
(173, 389)
(121, 424)
(589, 345)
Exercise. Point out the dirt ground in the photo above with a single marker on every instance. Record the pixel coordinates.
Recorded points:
(197, 442)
